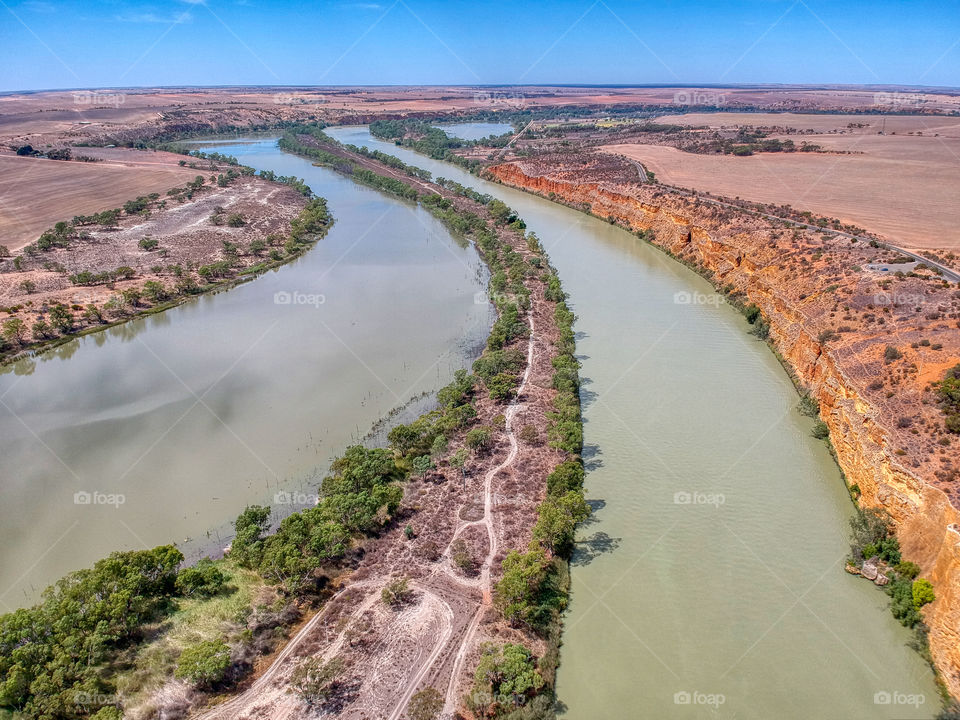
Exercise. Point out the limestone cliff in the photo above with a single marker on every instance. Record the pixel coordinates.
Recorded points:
(862, 430)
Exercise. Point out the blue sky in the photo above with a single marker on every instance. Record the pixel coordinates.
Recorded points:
(116, 43)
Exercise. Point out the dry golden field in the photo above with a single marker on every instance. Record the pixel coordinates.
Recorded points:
(902, 186)
(35, 192)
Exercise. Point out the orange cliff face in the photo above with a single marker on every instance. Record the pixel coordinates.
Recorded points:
(829, 322)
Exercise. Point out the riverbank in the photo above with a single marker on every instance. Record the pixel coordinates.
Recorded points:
(894, 464)
(503, 431)
(527, 426)
(96, 272)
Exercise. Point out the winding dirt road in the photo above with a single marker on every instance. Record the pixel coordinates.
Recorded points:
(267, 696)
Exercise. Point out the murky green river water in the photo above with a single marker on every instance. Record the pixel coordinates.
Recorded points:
(710, 582)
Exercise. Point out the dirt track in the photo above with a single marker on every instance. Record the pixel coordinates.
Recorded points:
(440, 625)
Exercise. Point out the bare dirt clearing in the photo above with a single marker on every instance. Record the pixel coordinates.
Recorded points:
(35, 192)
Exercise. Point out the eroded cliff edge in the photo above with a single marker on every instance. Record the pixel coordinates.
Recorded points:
(831, 321)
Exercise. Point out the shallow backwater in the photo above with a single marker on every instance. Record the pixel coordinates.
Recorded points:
(195, 413)
(710, 582)
(475, 131)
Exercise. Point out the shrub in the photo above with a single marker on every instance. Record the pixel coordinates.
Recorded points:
(314, 680)
(948, 396)
(901, 602)
(478, 438)
(205, 663)
(809, 406)
(148, 243)
(426, 705)
(396, 593)
(528, 434)
(891, 353)
(461, 557)
(922, 593)
(236, 220)
(820, 430)
(907, 569)
(202, 580)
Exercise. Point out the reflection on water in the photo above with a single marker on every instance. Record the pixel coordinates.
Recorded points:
(194, 413)
(475, 131)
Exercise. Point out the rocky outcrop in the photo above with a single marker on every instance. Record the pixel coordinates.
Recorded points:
(928, 525)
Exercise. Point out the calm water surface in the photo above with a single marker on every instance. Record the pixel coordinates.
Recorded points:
(195, 413)
(475, 131)
(710, 582)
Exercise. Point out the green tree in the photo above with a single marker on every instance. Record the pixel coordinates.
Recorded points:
(93, 314)
(154, 291)
(459, 461)
(41, 330)
(557, 519)
(566, 476)
(61, 318)
(438, 448)
(250, 527)
(518, 592)
(510, 671)
(14, 330)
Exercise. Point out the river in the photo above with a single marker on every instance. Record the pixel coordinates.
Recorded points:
(172, 424)
(710, 582)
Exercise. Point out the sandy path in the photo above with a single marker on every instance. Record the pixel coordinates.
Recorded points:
(267, 696)
(450, 701)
